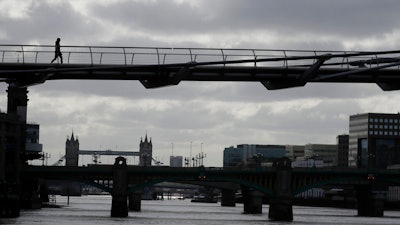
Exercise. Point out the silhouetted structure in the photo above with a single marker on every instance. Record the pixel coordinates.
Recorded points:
(146, 152)
(343, 150)
(72, 151)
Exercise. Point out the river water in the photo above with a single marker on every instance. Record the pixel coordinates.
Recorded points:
(95, 210)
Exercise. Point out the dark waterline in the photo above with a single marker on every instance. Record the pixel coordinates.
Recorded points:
(95, 210)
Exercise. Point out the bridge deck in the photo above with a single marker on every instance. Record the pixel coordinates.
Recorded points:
(157, 67)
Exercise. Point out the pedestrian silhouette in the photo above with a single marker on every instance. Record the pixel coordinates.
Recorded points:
(57, 51)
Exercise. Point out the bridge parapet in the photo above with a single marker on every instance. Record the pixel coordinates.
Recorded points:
(123, 55)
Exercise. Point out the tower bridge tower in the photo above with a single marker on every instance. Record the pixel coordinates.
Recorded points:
(146, 152)
(72, 151)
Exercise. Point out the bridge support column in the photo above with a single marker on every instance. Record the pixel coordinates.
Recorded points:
(119, 205)
(228, 198)
(281, 205)
(9, 201)
(135, 202)
(369, 203)
(252, 201)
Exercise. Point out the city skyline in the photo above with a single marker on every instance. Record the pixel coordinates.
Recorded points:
(217, 114)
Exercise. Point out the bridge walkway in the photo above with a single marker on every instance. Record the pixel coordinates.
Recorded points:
(158, 66)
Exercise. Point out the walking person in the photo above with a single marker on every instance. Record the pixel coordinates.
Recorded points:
(57, 51)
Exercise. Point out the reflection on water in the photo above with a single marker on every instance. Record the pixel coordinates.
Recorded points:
(96, 210)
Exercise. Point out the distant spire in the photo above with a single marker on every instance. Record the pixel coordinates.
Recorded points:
(72, 136)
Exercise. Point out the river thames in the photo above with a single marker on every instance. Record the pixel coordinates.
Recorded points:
(95, 210)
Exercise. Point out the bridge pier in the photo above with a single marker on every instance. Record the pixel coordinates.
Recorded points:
(369, 203)
(119, 205)
(9, 201)
(228, 198)
(135, 202)
(281, 205)
(252, 201)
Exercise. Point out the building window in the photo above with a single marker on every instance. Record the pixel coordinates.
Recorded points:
(390, 120)
(386, 120)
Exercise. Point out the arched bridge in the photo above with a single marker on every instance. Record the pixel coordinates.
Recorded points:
(26, 65)
(280, 183)
(261, 179)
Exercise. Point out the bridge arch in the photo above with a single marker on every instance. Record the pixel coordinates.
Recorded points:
(207, 182)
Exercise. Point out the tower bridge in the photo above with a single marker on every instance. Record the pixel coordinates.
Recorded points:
(24, 65)
(145, 153)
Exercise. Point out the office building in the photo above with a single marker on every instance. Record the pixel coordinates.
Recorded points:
(294, 151)
(327, 153)
(342, 150)
(246, 154)
(374, 140)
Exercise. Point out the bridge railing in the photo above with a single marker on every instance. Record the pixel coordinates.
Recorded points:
(100, 55)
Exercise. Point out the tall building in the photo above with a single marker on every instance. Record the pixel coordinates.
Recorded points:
(175, 161)
(33, 148)
(146, 152)
(245, 153)
(342, 150)
(72, 151)
(374, 140)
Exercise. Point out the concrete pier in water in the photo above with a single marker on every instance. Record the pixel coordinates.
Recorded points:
(119, 205)
(281, 205)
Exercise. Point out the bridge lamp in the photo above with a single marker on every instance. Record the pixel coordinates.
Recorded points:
(201, 177)
(371, 178)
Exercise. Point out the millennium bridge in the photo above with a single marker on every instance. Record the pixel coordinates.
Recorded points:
(22, 66)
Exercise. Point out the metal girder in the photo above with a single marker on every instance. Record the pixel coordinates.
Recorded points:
(165, 78)
(36, 78)
(309, 74)
(388, 86)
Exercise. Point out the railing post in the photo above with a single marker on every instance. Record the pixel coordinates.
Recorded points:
(124, 54)
(23, 54)
(91, 54)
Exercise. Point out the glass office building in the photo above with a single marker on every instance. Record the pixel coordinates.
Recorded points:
(374, 140)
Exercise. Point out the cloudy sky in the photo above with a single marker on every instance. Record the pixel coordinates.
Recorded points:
(116, 114)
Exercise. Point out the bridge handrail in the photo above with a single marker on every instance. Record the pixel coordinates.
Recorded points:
(123, 55)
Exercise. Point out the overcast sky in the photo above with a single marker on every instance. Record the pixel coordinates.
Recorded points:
(116, 114)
